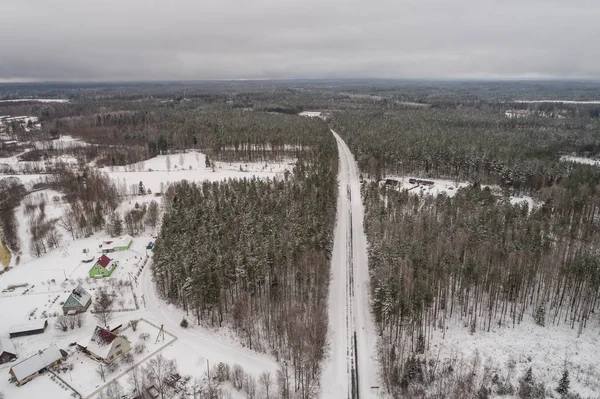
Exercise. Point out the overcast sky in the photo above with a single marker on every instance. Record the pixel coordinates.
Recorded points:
(240, 39)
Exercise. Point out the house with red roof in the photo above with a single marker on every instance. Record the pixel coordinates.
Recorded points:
(105, 345)
(103, 267)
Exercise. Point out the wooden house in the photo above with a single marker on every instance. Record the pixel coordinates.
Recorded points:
(7, 351)
(35, 365)
(106, 346)
(103, 267)
(78, 302)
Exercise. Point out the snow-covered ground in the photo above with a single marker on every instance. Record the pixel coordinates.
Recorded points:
(40, 100)
(583, 160)
(546, 349)
(449, 187)
(311, 114)
(63, 143)
(557, 101)
(53, 276)
(352, 335)
(162, 170)
(24, 121)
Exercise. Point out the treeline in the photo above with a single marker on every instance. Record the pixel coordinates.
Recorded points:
(254, 255)
(12, 192)
(480, 260)
(522, 154)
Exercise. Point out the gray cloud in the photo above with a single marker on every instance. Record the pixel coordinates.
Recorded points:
(233, 39)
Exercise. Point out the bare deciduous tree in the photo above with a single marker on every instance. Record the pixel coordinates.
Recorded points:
(137, 379)
(103, 303)
(79, 319)
(265, 382)
(134, 323)
(127, 358)
(139, 348)
(152, 214)
(62, 323)
(101, 372)
(159, 371)
(68, 221)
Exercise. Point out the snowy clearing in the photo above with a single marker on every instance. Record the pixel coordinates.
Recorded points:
(557, 101)
(546, 349)
(160, 171)
(39, 100)
(311, 114)
(449, 187)
(583, 160)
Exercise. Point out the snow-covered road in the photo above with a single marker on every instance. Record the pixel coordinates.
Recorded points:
(351, 370)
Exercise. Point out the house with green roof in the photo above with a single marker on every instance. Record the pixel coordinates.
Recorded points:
(78, 302)
(103, 267)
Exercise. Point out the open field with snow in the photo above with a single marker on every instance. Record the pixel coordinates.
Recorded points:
(39, 100)
(162, 170)
(583, 160)
(557, 101)
(510, 351)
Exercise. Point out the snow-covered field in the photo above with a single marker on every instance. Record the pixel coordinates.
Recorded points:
(511, 351)
(160, 171)
(40, 100)
(449, 187)
(311, 114)
(557, 101)
(583, 160)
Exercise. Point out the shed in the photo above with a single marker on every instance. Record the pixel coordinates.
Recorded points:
(7, 351)
(32, 328)
(35, 365)
(78, 301)
(120, 244)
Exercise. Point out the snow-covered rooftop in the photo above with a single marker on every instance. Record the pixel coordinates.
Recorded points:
(119, 242)
(81, 295)
(6, 345)
(36, 362)
(33, 325)
(101, 342)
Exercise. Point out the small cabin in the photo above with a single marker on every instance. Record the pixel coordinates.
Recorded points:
(7, 351)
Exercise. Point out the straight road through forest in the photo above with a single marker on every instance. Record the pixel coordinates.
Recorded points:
(351, 369)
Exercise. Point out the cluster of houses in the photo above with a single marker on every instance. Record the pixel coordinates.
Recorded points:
(104, 266)
(104, 346)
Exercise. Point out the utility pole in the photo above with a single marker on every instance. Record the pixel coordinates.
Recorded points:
(65, 273)
(161, 332)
